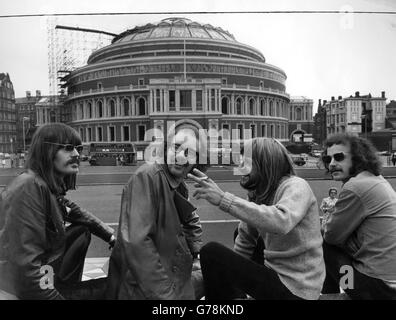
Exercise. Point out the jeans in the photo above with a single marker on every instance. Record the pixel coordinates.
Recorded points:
(227, 274)
(68, 277)
(364, 287)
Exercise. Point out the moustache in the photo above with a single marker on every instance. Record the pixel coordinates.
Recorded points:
(335, 170)
(73, 160)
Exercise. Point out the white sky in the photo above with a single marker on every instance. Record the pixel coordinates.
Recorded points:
(323, 55)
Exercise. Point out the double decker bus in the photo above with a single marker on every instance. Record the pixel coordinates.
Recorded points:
(112, 154)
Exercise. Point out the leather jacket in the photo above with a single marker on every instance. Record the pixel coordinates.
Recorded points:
(32, 234)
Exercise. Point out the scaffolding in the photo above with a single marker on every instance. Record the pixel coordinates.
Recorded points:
(69, 49)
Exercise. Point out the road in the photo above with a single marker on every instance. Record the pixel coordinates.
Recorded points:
(119, 175)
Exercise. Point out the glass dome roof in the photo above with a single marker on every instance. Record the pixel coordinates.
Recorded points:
(174, 28)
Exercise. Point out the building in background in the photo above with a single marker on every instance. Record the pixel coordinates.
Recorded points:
(157, 74)
(26, 118)
(360, 115)
(319, 133)
(356, 114)
(7, 115)
(300, 119)
(391, 115)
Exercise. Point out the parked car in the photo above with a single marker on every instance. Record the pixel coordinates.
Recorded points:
(83, 157)
(298, 160)
(316, 153)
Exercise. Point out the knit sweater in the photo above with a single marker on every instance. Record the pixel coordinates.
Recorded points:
(290, 229)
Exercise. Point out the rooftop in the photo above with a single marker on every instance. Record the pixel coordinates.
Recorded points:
(174, 28)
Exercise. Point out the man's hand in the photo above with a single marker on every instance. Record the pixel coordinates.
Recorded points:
(206, 188)
(112, 242)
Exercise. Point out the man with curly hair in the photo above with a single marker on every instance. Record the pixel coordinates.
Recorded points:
(360, 235)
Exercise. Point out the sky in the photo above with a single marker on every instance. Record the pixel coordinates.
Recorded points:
(323, 55)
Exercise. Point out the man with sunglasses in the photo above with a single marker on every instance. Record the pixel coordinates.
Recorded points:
(41, 257)
(159, 234)
(360, 234)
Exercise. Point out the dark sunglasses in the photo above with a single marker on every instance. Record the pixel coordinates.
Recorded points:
(68, 147)
(337, 157)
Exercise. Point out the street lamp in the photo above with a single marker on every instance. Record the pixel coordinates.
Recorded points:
(23, 131)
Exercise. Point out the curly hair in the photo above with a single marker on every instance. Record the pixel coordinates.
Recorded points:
(364, 154)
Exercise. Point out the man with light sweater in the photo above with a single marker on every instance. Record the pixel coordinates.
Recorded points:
(361, 232)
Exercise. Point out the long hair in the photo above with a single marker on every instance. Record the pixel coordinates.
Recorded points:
(41, 155)
(270, 164)
(364, 156)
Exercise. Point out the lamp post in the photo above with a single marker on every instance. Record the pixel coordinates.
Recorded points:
(23, 132)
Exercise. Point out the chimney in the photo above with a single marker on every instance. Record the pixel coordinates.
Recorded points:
(339, 97)
(383, 94)
(332, 98)
(357, 94)
(38, 93)
(28, 94)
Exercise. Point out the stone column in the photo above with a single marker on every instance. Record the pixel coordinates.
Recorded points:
(177, 100)
(166, 100)
(133, 105)
(194, 100)
(118, 107)
(162, 100)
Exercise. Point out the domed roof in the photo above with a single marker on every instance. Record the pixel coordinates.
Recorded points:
(174, 28)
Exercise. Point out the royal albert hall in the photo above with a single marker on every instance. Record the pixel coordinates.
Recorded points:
(154, 75)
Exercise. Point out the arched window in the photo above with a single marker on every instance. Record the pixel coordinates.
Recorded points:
(298, 114)
(142, 106)
(80, 111)
(262, 107)
(271, 108)
(125, 104)
(225, 103)
(239, 106)
(277, 109)
(251, 107)
(272, 134)
(89, 110)
(112, 108)
(99, 106)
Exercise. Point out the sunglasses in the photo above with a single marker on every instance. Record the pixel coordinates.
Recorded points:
(68, 147)
(337, 157)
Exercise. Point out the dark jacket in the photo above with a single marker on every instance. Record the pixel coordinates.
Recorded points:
(158, 232)
(32, 234)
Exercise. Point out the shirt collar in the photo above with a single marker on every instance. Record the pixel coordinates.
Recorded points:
(171, 179)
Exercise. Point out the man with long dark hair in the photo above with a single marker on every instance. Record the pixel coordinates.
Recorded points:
(40, 258)
(360, 234)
